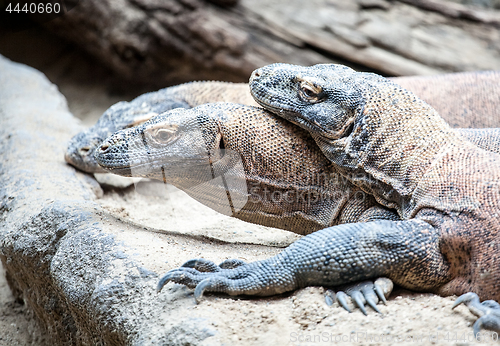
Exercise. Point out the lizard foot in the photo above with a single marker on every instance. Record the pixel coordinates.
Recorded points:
(487, 311)
(366, 292)
(233, 277)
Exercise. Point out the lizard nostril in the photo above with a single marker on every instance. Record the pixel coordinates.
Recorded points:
(255, 74)
(84, 150)
(104, 148)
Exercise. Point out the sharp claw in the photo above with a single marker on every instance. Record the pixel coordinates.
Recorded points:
(370, 297)
(330, 297)
(476, 328)
(185, 276)
(200, 288)
(466, 299)
(383, 288)
(164, 280)
(489, 321)
(342, 299)
(366, 293)
(373, 304)
(380, 293)
(360, 301)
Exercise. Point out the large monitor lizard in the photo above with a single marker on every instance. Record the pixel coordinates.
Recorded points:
(396, 147)
(465, 100)
(136, 110)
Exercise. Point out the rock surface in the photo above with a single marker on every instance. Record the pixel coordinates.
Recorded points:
(62, 252)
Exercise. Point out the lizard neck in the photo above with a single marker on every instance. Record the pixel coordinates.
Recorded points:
(395, 140)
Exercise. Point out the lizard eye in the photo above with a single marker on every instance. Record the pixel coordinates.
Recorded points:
(164, 135)
(310, 92)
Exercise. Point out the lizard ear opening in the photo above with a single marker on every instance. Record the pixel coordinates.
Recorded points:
(222, 145)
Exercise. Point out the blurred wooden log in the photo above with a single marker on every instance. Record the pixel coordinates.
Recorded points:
(168, 42)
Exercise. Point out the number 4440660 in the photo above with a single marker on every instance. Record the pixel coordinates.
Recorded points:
(34, 8)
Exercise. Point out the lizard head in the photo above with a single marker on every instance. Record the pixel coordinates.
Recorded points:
(81, 149)
(325, 99)
(181, 144)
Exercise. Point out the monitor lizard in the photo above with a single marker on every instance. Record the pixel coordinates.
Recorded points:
(151, 104)
(396, 147)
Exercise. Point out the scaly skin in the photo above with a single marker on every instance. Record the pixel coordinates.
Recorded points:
(280, 215)
(397, 148)
(466, 100)
(183, 147)
(173, 142)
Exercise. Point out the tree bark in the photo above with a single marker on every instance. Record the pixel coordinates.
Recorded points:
(168, 42)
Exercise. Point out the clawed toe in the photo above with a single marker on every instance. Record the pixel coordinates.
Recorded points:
(487, 311)
(204, 275)
(203, 265)
(183, 276)
(366, 292)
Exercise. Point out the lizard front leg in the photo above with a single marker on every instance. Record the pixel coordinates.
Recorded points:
(405, 251)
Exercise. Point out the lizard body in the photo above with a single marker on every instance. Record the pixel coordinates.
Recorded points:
(485, 138)
(254, 135)
(465, 100)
